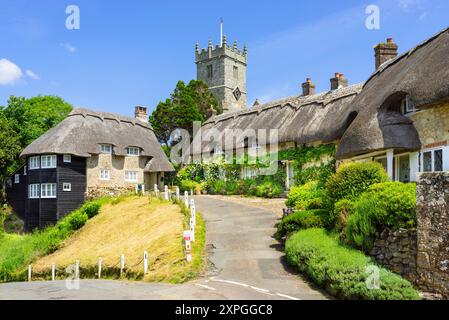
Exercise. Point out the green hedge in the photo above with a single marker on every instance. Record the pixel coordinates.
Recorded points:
(354, 178)
(306, 197)
(300, 220)
(341, 270)
(385, 205)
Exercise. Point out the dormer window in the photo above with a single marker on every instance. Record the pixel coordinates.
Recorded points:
(133, 151)
(407, 106)
(106, 148)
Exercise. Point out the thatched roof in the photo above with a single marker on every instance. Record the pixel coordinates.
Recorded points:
(301, 119)
(422, 73)
(82, 132)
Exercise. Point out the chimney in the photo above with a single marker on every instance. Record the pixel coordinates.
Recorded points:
(211, 112)
(385, 51)
(308, 88)
(141, 114)
(339, 81)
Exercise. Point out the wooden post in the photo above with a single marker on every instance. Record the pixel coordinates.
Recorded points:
(100, 261)
(122, 263)
(53, 271)
(77, 269)
(166, 196)
(29, 272)
(145, 262)
(191, 192)
(186, 198)
(177, 193)
(156, 190)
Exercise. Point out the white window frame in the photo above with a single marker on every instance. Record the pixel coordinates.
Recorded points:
(106, 148)
(407, 106)
(48, 190)
(34, 163)
(133, 151)
(105, 175)
(16, 178)
(45, 163)
(67, 158)
(131, 176)
(25, 170)
(432, 152)
(34, 191)
(66, 187)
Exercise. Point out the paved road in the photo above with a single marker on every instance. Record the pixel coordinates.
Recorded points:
(245, 262)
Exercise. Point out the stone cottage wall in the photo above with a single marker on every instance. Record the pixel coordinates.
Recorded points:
(397, 251)
(433, 232)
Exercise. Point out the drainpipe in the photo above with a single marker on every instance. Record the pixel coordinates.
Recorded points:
(390, 159)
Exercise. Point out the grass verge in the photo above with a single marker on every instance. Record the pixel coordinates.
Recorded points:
(341, 270)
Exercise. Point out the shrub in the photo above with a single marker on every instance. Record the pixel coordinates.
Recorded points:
(77, 219)
(341, 270)
(269, 189)
(93, 208)
(352, 179)
(298, 221)
(343, 209)
(232, 187)
(217, 187)
(187, 185)
(306, 197)
(386, 205)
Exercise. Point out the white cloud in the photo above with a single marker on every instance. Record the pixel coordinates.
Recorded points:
(32, 75)
(68, 47)
(10, 73)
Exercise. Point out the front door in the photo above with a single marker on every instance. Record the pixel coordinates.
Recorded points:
(404, 168)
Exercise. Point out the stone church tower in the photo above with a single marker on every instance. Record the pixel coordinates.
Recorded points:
(223, 69)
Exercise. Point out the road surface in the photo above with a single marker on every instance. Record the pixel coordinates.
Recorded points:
(245, 263)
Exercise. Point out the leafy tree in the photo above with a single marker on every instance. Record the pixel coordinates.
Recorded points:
(9, 149)
(188, 103)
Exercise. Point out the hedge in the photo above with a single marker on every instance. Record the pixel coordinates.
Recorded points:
(343, 271)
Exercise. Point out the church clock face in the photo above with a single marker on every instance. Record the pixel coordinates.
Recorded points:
(237, 94)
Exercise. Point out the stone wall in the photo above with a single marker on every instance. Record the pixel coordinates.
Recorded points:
(432, 124)
(111, 191)
(397, 251)
(433, 232)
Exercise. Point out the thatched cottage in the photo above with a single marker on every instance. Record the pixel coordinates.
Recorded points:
(88, 154)
(399, 117)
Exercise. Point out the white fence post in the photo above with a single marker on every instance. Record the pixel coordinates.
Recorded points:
(166, 196)
(186, 198)
(145, 262)
(77, 269)
(122, 263)
(192, 230)
(100, 261)
(177, 193)
(191, 192)
(29, 272)
(193, 212)
(187, 236)
(53, 272)
(156, 190)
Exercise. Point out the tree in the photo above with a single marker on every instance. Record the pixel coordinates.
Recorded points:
(9, 149)
(186, 104)
(31, 118)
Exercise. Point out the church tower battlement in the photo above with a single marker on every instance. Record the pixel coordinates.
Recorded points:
(223, 69)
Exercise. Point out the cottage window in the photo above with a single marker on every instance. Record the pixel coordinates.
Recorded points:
(25, 170)
(48, 162)
(407, 106)
(9, 183)
(33, 191)
(66, 186)
(17, 178)
(106, 148)
(34, 163)
(131, 176)
(104, 174)
(210, 71)
(67, 158)
(133, 151)
(433, 161)
(48, 190)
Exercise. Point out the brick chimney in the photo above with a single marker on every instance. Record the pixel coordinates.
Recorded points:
(211, 112)
(308, 88)
(141, 114)
(385, 51)
(339, 81)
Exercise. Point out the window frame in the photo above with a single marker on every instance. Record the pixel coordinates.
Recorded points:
(67, 158)
(103, 146)
(52, 190)
(432, 159)
(64, 185)
(34, 163)
(407, 106)
(127, 177)
(53, 161)
(210, 71)
(24, 170)
(34, 191)
(108, 175)
(16, 178)
(133, 154)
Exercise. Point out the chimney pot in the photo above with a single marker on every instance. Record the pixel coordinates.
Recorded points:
(385, 51)
(141, 114)
(308, 88)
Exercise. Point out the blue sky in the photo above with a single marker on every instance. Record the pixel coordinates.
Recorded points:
(129, 53)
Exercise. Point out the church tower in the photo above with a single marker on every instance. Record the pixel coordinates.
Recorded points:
(223, 69)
